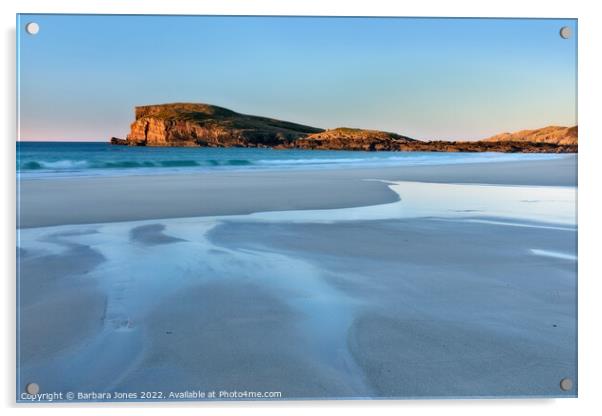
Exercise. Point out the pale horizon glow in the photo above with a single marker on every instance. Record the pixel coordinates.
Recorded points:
(81, 76)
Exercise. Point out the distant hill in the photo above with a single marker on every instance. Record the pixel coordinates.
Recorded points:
(345, 138)
(550, 134)
(205, 125)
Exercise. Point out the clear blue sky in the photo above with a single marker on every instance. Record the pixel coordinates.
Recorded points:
(81, 76)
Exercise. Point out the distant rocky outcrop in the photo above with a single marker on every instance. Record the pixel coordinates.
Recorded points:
(204, 125)
(344, 138)
(183, 124)
(551, 134)
(117, 140)
(372, 140)
(484, 146)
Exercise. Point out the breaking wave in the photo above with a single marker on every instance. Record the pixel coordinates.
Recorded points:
(70, 165)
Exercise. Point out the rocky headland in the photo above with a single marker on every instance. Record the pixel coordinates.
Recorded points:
(204, 125)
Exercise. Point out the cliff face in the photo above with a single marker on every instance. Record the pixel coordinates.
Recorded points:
(551, 134)
(205, 125)
(209, 126)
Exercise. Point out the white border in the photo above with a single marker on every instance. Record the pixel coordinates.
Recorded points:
(589, 208)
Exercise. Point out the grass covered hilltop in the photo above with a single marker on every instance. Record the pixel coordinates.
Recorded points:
(205, 125)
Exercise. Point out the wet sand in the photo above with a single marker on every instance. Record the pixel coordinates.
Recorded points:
(454, 305)
(444, 308)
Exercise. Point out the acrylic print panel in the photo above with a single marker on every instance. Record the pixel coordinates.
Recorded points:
(272, 208)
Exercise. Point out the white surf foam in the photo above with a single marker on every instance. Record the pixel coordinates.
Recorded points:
(555, 254)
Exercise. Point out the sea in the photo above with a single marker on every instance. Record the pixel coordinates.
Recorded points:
(68, 159)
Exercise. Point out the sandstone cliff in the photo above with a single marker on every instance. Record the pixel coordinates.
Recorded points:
(182, 124)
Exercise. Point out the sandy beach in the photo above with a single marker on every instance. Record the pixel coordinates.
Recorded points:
(131, 198)
(398, 282)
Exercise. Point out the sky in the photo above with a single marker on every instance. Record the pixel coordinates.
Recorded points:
(81, 76)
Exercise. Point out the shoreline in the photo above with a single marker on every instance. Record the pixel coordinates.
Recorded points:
(93, 200)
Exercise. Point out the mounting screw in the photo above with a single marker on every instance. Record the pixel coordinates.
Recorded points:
(566, 384)
(32, 28)
(565, 32)
(32, 388)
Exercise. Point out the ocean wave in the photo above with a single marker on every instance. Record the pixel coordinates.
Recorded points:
(127, 164)
(310, 161)
(56, 165)
(36, 165)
